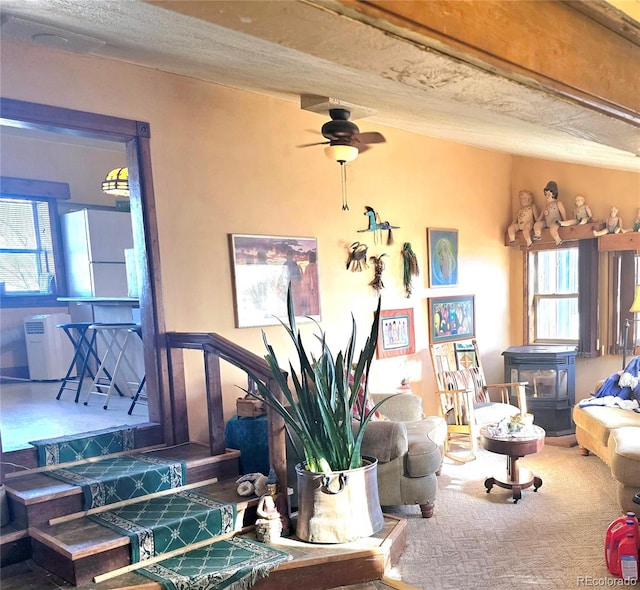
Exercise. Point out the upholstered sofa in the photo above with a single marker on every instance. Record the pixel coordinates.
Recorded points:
(613, 434)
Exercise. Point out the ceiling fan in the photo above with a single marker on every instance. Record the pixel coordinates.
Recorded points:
(345, 142)
(342, 133)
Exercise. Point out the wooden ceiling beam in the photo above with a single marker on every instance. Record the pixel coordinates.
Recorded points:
(587, 55)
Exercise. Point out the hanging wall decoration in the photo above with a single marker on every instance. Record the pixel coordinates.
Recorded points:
(410, 268)
(378, 267)
(357, 257)
(376, 226)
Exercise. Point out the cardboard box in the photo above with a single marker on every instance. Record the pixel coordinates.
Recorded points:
(249, 408)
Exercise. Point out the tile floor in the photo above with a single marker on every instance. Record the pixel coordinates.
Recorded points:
(29, 411)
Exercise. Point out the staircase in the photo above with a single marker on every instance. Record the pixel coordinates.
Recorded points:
(45, 548)
(78, 549)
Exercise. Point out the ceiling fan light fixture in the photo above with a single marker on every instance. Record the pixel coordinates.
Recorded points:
(341, 153)
(117, 182)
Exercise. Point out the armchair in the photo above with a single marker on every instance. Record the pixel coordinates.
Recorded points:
(467, 402)
(409, 448)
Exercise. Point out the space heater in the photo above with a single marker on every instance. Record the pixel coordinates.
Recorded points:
(49, 350)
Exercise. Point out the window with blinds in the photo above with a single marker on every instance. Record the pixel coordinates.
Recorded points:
(553, 286)
(27, 257)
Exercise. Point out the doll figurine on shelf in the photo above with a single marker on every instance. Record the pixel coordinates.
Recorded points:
(636, 223)
(614, 224)
(525, 218)
(581, 213)
(552, 214)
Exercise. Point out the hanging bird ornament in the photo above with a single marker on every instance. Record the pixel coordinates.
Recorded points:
(378, 267)
(357, 257)
(410, 268)
(376, 226)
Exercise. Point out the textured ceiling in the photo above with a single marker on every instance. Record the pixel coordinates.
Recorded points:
(282, 48)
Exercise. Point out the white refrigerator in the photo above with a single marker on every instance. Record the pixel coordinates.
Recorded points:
(95, 241)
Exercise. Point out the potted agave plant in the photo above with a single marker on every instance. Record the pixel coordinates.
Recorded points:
(325, 417)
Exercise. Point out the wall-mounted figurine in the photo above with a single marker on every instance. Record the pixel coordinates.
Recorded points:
(376, 226)
(357, 257)
(378, 267)
(553, 213)
(410, 268)
(613, 224)
(525, 218)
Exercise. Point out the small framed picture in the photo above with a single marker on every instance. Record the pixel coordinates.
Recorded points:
(396, 336)
(451, 318)
(442, 248)
(465, 355)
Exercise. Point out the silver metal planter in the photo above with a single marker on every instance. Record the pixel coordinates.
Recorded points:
(340, 506)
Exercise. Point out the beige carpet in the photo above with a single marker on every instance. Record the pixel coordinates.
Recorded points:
(551, 539)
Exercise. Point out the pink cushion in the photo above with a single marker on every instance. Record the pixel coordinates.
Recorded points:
(357, 408)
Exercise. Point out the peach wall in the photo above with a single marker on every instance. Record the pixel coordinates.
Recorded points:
(224, 161)
(602, 189)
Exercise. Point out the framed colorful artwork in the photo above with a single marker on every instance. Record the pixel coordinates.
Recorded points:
(396, 336)
(451, 318)
(442, 248)
(263, 267)
(465, 355)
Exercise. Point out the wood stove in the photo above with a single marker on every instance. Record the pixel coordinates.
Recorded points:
(550, 373)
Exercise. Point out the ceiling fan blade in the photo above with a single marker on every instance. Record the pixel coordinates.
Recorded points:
(369, 137)
(315, 143)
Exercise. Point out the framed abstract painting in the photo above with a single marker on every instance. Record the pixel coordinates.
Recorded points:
(451, 318)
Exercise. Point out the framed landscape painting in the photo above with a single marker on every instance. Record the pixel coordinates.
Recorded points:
(396, 336)
(442, 248)
(263, 267)
(451, 318)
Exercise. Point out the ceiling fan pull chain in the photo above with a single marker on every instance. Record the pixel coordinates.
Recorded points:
(343, 178)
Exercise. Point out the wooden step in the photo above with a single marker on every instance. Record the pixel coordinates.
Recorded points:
(15, 545)
(35, 498)
(81, 549)
(313, 567)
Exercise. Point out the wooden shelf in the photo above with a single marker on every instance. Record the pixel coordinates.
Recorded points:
(629, 240)
(569, 233)
(616, 242)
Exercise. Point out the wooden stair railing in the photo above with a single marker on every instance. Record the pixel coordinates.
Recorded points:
(216, 347)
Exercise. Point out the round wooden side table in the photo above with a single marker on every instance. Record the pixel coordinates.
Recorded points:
(515, 446)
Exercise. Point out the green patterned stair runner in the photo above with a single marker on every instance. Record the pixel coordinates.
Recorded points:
(164, 524)
(67, 449)
(231, 564)
(122, 478)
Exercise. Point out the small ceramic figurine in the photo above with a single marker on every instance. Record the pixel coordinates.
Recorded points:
(268, 524)
(525, 218)
(553, 213)
(636, 224)
(581, 213)
(614, 224)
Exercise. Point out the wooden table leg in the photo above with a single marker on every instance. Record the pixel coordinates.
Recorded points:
(518, 479)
